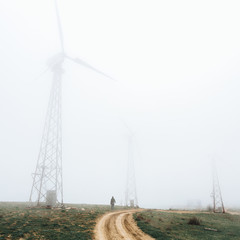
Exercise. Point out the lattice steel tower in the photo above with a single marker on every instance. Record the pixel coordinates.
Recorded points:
(218, 205)
(47, 179)
(131, 190)
(47, 187)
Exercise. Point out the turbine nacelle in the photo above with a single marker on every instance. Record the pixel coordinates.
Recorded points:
(55, 63)
(56, 60)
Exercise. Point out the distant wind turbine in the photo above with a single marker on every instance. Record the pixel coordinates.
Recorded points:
(218, 205)
(131, 199)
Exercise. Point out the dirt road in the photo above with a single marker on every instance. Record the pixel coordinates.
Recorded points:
(119, 225)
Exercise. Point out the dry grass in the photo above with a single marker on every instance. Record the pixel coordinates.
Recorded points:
(175, 225)
(18, 222)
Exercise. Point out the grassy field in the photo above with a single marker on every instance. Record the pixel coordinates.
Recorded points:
(18, 222)
(171, 225)
(78, 221)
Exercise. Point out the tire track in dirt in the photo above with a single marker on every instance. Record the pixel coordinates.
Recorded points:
(119, 226)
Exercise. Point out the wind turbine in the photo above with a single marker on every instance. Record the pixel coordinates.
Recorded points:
(47, 187)
(218, 205)
(131, 190)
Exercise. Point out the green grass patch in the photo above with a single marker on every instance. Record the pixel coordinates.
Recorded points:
(169, 225)
(18, 222)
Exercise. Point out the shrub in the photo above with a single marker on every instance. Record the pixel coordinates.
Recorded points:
(194, 221)
(209, 208)
(139, 218)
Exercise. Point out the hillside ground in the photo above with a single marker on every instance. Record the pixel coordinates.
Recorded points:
(78, 222)
(176, 225)
(75, 222)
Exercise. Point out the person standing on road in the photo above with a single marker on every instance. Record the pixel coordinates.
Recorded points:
(112, 202)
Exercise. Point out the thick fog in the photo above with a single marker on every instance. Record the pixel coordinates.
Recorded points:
(177, 83)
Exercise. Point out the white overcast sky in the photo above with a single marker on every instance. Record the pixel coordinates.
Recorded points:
(177, 69)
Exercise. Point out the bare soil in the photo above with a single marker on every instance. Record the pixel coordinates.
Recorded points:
(119, 225)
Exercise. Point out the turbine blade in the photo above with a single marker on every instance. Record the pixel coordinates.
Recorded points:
(128, 128)
(43, 73)
(81, 62)
(59, 27)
